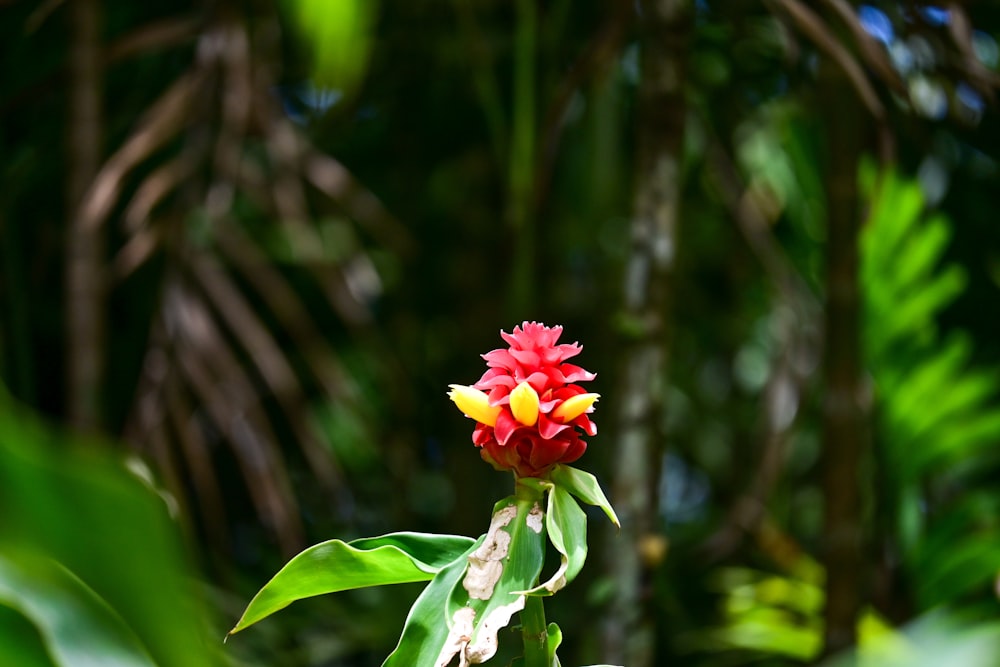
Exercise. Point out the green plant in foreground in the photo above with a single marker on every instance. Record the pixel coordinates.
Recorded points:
(527, 408)
(92, 568)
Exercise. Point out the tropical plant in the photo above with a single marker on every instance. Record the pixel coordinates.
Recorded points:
(527, 408)
(937, 420)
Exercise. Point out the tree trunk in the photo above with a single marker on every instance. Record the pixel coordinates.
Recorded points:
(843, 412)
(84, 243)
(628, 635)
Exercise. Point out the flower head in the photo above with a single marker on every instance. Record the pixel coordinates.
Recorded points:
(527, 405)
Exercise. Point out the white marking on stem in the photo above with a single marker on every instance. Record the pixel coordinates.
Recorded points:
(486, 644)
(535, 518)
(485, 563)
(458, 638)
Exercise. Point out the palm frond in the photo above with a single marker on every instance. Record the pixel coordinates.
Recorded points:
(939, 416)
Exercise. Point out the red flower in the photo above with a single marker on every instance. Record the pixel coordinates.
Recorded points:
(527, 404)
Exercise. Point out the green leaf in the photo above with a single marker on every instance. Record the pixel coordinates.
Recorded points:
(584, 486)
(919, 257)
(71, 500)
(20, 643)
(567, 520)
(77, 627)
(555, 639)
(468, 602)
(897, 206)
(566, 523)
(427, 549)
(506, 564)
(335, 565)
(960, 446)
(428, 625)
(339, 35)
(771, 630)
(917, 310)
(936, 414)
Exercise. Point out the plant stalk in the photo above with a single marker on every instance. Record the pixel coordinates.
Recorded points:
(85, 244)
(534, 630)
(522, 156)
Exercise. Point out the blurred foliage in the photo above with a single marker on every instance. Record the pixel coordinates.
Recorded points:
(938, 416)
(934, 449)
(338, 35)
(89, 558)
(773, 615)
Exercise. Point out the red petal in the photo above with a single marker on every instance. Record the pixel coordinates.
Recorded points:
(499, 395)
(574, 373)
(503, 380)
(526, 357)
(568, 350)
(565, 392)
(548, 406)
(585, 423)
(492, 376)
(547, 428)
(501, 458)
(500, 359)
(482, 435)
(505, 426)
(510, 338)
(548, 452)
(575, 451)
(540, 334)
(538, 381)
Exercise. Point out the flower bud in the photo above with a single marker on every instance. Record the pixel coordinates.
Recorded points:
(574, 406)
(524, 404)
(474, 404)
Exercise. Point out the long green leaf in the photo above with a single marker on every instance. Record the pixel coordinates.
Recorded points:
(335, 565)
(77, 627)
(71, 500)
(428, 550)
(965, 565)
(20, 642)
(960, 447)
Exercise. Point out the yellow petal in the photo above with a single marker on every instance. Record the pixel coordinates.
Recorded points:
(474, 404)
(524, 404)
(573, 407)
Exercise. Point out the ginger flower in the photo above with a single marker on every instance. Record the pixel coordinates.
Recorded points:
(527, 406)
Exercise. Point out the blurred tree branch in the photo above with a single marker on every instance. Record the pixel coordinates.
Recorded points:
(217, 366)
(594, 61)
(845, 429)
(85, 244)
(797, 343)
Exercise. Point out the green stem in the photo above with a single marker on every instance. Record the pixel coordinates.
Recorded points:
(522, 156)
(534, 630)
(535, 633)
